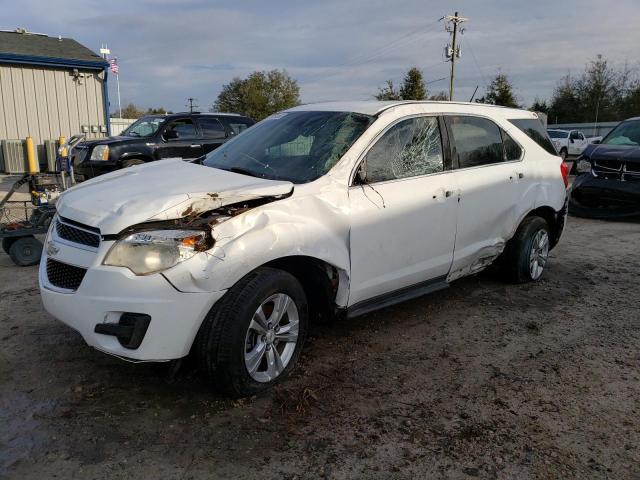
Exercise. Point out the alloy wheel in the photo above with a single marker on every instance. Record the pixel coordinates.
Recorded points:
(539, 254)
(271, 338)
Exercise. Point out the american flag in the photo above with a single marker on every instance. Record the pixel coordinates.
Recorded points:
(114, 65)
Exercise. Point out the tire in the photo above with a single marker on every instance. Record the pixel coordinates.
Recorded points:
(130, 162)
(26, 251)
(521, 264)
(7, 242)
(229, 330)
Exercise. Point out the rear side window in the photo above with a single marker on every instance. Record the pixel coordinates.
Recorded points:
(478, 141)
(536, 132)
(410, 148)
(512, 151)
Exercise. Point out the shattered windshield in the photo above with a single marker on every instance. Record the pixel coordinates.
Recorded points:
(145, 127)
(294, 146)
(627, 133)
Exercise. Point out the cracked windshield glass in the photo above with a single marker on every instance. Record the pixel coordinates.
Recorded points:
(294, 146)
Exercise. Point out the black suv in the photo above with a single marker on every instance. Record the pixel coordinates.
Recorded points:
(154, 137)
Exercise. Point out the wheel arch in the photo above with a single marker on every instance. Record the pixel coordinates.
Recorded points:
(135, 155)
(554, 219)
(320, 281)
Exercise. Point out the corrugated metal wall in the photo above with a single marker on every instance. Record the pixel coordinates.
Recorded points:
(45, 103)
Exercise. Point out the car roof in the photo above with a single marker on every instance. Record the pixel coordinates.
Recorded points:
(376, 107)
(215, 114)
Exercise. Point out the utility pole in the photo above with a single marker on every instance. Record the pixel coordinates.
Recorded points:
(453, 51)
(191, 102)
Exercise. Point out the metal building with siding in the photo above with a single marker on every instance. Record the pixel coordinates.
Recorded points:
(50, 87)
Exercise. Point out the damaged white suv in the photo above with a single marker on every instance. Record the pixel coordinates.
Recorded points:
(321, 210)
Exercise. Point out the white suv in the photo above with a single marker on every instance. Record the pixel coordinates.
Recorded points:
(321, 210)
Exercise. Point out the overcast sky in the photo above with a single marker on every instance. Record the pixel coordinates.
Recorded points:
(169, 50)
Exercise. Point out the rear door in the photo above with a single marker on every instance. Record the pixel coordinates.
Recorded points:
(213, 133)
(179, 138)
(489, 174)
(403, 216)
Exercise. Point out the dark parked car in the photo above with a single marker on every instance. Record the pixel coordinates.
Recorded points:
(154, 137)
(609, 183)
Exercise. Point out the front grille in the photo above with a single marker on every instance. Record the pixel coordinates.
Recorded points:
(63, 275)
(70, 232)
(610, 169)
(617, 170)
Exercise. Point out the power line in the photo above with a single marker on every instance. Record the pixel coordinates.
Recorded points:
(473, 55)
(363, 59)
(392, 45)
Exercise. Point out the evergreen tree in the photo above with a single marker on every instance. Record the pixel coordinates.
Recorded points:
(500, 92)
(413, 86)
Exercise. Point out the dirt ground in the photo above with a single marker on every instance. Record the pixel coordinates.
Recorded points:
(485, 379)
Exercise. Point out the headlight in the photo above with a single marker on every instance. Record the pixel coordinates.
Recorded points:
(157, 250)
(584, 166)
(100, 152)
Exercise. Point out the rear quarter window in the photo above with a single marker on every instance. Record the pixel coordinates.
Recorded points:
(536, 132)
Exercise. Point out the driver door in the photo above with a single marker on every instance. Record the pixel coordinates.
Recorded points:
(403, 213)
(179, 139)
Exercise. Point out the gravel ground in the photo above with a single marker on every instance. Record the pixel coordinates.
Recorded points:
(484, 379)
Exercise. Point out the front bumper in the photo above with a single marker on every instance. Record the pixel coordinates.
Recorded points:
(106, 293)
(604, 198)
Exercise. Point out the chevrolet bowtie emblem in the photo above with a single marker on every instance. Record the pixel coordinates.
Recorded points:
(52, 249)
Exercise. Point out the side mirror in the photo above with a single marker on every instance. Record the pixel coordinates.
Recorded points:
(596, 141)
(169, 135)
(571, 140)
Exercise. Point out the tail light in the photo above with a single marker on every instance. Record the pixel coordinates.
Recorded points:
(564, 170)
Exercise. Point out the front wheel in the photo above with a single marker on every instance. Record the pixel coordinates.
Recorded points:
(253, 338)
(526, 254)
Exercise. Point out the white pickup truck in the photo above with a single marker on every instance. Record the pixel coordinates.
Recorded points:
(570, 142)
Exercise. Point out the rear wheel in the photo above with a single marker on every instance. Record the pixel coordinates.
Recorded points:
(526, 254)
(26, 251)
(253, 338)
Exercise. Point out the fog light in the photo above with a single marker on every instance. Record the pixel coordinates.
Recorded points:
(583, 166)
(129, 331)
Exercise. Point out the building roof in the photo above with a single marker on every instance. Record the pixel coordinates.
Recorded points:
(24, 47)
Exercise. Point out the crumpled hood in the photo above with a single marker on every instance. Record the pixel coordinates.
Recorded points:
(162, 190)
(627, 153)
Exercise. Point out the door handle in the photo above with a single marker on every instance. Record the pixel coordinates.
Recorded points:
(196, 146)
